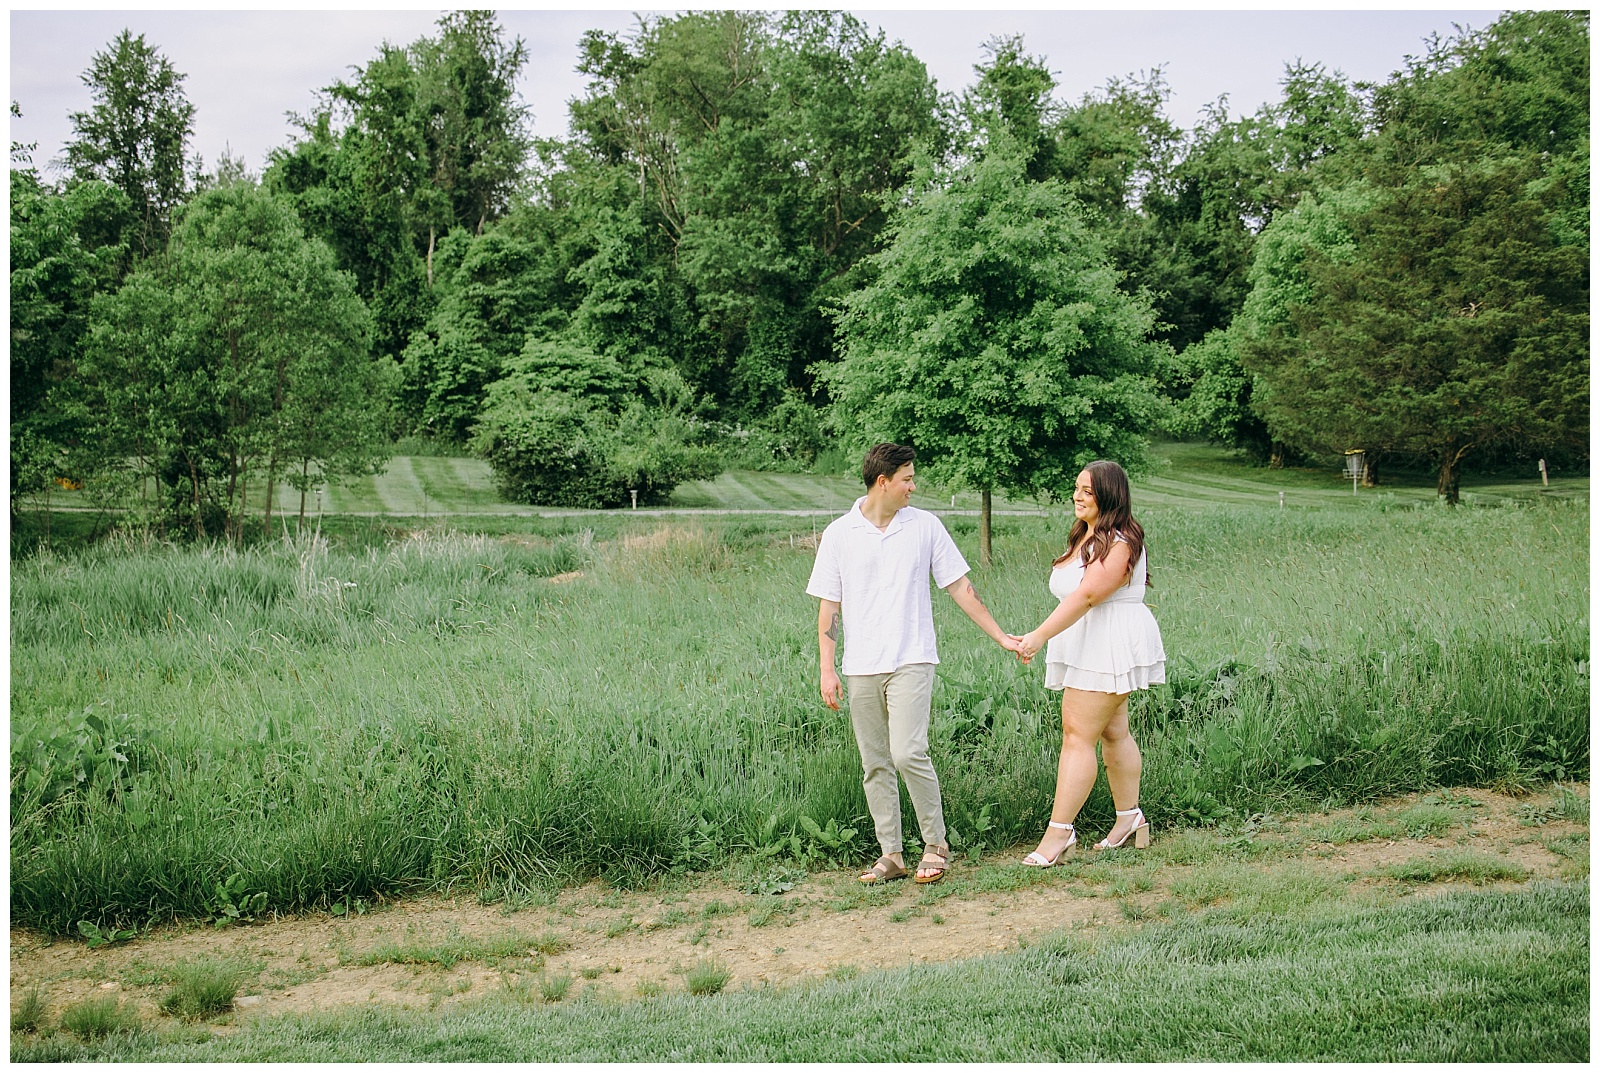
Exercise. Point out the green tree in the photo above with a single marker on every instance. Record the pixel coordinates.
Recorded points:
(493, 290)
(1013, 98)
(65, 248)
(136, 134)
(1430, 301)
(994, 339)
(1523, 81)
(1262, 336)
(474, 129)
(1216, 405)
(239, 357)
(424, 140)
(1454, 320)
(737, 167)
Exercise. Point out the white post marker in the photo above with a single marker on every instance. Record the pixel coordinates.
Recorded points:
(1280, 499)
(1544, 474)
(634, 492)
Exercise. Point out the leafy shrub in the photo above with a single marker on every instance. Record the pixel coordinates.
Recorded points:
(559, 431)
(94, 935)
(86, 752)
(786, 439)
(233, 902)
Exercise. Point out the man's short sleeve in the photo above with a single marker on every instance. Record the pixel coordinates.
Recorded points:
(947, 562)
(825, 583)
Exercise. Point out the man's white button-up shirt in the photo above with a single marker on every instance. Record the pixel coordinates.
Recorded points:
(880, 580)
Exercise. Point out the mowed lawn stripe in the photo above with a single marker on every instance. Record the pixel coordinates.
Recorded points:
(734, 490)
(824, 493)
(476, 479)
(458, 484)
(352, 495)
(1191, 492)
(398, 488)
(1197, 476)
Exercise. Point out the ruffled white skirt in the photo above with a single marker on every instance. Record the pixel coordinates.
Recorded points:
(1114, 648)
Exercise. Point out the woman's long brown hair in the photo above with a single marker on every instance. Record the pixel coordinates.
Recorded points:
(1109, 482)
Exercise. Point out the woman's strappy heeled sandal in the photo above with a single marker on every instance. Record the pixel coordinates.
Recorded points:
(1140, 832)
(1039, 860)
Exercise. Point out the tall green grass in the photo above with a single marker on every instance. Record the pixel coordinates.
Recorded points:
(200, 730)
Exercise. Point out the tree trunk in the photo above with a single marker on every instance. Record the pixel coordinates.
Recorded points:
(266, 526)
(1275, 460)
(985, 551)
(244, 503)
(430, 257)
(1369, 471)
(305, 467)
(194, 489)
(1450, 471)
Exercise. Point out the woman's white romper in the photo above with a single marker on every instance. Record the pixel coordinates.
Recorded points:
(1115, 647)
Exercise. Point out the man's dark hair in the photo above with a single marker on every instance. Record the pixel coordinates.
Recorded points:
(885, 459)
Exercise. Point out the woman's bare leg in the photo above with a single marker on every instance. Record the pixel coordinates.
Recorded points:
(1123, 767)
(1084, 717)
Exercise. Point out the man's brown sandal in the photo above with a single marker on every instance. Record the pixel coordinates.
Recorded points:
(882, 871)
(932, 858)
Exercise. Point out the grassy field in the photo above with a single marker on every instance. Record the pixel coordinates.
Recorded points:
(302, 723)
(1186, 475)
(509, 704)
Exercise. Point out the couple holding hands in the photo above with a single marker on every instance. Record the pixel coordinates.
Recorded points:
(1100, 643)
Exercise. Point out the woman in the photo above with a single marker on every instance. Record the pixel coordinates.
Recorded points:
(1103, 645)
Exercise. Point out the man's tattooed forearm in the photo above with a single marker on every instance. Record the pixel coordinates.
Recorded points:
(973, 592)
(832, 632)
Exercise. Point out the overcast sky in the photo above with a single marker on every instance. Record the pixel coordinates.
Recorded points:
(246, 69)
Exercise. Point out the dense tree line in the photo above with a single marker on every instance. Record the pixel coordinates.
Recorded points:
(1426, 298)
(766, 235)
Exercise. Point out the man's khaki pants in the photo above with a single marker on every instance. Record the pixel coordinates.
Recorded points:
(890, 716)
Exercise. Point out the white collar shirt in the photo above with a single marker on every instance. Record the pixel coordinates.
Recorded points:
(880, 580)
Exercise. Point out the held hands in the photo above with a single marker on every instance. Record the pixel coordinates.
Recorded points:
(1018, 646)
(1028, 646)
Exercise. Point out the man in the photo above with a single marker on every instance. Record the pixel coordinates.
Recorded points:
(871, 575)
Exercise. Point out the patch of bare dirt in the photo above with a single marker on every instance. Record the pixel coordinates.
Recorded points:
(627, 944)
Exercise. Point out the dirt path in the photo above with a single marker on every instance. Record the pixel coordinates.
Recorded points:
(428, 951)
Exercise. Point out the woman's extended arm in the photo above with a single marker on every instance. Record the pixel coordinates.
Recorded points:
(1102, 578)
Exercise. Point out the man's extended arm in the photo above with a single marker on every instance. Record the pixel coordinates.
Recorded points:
(967, 598)
(829, 620)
